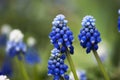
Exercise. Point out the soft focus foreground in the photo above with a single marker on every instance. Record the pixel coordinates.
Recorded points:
(34, 19)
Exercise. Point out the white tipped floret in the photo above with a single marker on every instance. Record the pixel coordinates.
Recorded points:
(16, 35)
(82, 23)
(55, 19)
(65, 21)
(88, 23)
(88, 20)
(60, 16)
(92, 42)
(17, 48)
(94, 20)
(31, 41)
(5, 29)
(53, 27)
(57, 29)
(3, 77)
(58, 22)
(91, 20)
(55, 51)
(119, 11)
(93, 24)
(81, 41)
(53, 23)
(64, 28)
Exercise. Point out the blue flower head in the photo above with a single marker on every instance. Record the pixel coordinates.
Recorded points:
(31, 56)
(15, 45)
(61, 36)
(119, 20)
(13, 48)
(89, 36)
(56, 66)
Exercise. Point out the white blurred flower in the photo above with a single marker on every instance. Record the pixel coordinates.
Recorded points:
(5, 29)
(31, 41)
(102, 52)
(3, 77)
(80, 73)
(119, 11)
(16, 35)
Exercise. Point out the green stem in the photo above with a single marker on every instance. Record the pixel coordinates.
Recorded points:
(35, 73)
(71, 65)
(22, 70)
(101, 65)
(61, 78)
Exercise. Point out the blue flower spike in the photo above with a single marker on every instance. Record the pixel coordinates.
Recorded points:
(56, 65)
(119, 20)
(32, 54)
(89, 36)
(61, 36)
(15, 45)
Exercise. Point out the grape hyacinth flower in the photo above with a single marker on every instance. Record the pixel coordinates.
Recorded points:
(119, 20)
(5, 30)
(81, 75)
(3, 77)
(56, 65)
(15, 45)
(61, 36)
(31, 56)
(89, 36)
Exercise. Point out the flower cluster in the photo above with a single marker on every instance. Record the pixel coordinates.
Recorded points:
(3, 77)
(119, 20)
(15, 45)
(89, 36)
(56, 66)
(61, 36)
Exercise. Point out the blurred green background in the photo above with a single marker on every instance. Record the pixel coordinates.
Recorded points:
(34, 18)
